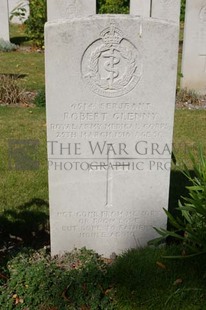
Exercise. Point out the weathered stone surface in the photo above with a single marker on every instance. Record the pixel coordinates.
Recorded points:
(140, 7)
(166, 9)
(4, 20)
(194, 48)
(63, 9)
(110, 109)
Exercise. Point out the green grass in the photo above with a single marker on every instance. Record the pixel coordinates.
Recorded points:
(179, 66)
(28, 66)
(146, 280)
(18, 187)
(23, 194)
(17, 34)
(189, 132)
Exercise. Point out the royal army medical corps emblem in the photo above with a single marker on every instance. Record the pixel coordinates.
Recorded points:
(111, 65)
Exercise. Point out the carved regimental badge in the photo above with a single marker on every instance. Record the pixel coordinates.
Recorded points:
(111, 65)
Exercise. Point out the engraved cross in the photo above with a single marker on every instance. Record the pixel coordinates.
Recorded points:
(109, 175)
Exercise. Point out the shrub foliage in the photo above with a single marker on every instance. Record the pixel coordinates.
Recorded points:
(78, 280)
(35, 22)
(182, 14)
(190, 226)
(113, 6)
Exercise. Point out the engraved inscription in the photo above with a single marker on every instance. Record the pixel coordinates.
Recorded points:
(108, 120)
(94, 224)
(111, 65)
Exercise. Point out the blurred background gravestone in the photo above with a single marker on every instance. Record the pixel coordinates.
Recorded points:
(4, 20)
(16, 7)
(140, 7)
(166, 9)
(58, 9)
(194, 47)
(162, 9)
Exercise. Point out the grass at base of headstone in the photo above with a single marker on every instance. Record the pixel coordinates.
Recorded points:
(146, 280)
(139, 279)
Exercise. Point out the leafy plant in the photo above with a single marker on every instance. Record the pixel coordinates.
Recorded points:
(40, 99)
(35, 22)
(6, 46)
(182, 13)
(90, 282)
(192, 222)
(32, 281)
(113, 6)
(77, 280)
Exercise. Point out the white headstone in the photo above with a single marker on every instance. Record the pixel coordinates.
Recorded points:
(140, 7)
(166, 9)
(110, 109)
(13, 5)
(63, 9)
(4, 20)
(194, 48)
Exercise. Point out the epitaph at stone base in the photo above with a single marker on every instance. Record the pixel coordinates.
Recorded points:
(110, 108)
